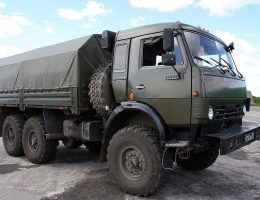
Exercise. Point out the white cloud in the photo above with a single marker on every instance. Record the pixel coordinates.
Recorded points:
(8, 51)
(225, 7)
(87, 26)
(91, 22)
(219, 7)
(136, 21)
(2, 4)
(161, 5)
(49, 29)
(45, 27)
(242, 46)
(246, 56)
(92, 9)
(12, 24)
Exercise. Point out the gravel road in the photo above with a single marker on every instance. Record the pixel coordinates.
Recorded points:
(77, 174)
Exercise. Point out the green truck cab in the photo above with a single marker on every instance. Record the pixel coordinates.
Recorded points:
(145, 98)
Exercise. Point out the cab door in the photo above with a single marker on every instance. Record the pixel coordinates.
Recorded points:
(120, 69)
(156, 84)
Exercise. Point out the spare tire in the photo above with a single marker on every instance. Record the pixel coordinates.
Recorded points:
(100, 90)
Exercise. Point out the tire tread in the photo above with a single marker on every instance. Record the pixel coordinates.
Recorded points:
(100, 91)
(19, 121)
(153, 139)
(49, 146)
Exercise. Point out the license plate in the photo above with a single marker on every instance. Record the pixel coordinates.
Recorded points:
(249, 137)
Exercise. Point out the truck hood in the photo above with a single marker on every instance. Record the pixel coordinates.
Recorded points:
(224, 86)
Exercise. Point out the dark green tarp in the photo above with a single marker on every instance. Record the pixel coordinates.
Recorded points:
(68, 64)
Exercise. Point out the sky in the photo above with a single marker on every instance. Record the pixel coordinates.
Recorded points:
(29, 24)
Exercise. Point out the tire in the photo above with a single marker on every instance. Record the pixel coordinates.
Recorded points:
(94, 147)
(200, 161)
(12, 135)
(37, 149)
(100, 90)
(136, 144)
(3, 115)
(71, 143)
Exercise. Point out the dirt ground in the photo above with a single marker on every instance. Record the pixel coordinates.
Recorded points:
(77, 174)
(236, 176)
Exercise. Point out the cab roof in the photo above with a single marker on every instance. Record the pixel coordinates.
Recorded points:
(156, 28)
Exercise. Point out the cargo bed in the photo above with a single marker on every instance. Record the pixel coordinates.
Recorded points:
(54, 77)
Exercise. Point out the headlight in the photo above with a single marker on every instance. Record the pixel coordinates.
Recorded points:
(210, 113)
(244, 109)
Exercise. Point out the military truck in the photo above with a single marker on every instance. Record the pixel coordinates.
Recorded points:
(146, 98)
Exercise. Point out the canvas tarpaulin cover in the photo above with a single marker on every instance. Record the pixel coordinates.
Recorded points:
(68, 64)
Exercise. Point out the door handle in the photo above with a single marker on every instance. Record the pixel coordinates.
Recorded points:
(140, 87)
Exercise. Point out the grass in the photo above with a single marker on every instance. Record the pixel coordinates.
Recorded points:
(256, 100)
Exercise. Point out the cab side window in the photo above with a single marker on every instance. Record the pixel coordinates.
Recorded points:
(153, 50)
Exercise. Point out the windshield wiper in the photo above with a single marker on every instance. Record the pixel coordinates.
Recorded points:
(222, 66)
(202, 59)
(230, 67)
(214, 66)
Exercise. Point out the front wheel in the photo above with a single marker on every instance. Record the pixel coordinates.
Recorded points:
(134, 160)
(200, 161)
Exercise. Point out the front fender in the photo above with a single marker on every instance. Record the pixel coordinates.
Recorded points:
(128, 106)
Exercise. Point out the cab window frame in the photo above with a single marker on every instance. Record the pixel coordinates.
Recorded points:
(176, 39)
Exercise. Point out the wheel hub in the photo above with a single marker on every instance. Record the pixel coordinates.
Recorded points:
(133, 163)
(11, 136)
(33, 141)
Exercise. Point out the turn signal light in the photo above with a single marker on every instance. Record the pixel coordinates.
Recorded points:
(195, 94)
(131, 96)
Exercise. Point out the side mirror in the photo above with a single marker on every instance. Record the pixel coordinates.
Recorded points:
(168, 59)
(231, 46)
(168, 40)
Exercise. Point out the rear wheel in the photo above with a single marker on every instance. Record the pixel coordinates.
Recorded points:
(12, 135)
(200, 161)
(36, 148)
(134, 160)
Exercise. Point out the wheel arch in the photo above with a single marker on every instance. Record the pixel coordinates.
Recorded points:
(132, 113)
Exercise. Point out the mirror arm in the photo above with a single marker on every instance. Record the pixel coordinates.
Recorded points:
(178, 73)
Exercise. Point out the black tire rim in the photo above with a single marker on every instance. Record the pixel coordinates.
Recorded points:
(11, 137)
(132, 162)
(33, 141)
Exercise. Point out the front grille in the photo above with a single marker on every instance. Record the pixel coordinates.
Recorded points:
(228, 111)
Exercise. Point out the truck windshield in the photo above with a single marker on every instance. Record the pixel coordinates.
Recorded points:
(208, 52)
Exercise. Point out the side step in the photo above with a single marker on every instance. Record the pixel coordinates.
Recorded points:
(177, 144)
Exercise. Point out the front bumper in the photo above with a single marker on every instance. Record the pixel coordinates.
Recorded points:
(235, 138)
